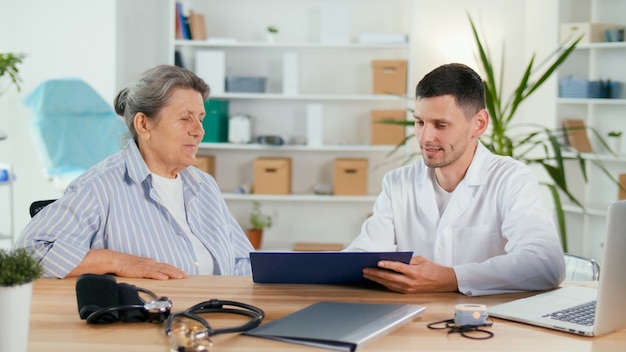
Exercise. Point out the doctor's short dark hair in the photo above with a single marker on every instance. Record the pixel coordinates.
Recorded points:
(151, 90)
(458, 80)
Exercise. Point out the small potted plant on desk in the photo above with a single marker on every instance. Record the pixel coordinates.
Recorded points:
(18, 270)
(258, 222)
(615, 138)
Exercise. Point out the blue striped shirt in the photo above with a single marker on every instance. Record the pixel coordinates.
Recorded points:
(114, 206)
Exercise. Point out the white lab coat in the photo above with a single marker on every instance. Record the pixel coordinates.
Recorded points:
(496, 232)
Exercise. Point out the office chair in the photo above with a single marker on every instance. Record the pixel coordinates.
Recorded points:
(578, 268)
(37, 205)
(73, 128)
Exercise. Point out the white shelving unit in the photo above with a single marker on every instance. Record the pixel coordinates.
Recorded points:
(7, 227)
(337, 76)
(594, 61)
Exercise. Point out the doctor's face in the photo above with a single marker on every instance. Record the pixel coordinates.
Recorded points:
(446, 137)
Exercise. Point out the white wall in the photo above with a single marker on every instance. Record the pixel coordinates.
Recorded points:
(68, 38)
(90, 39)
(61, 38)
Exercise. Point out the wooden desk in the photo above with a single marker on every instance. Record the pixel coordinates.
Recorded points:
(56, 327)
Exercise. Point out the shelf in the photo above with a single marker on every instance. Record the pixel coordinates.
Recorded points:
(265, 45)
(602, 45)
(585, 101)
(337, 78)
(300, 148)
(308, 97)
(595, 210)
(7, 179)
(600, 157)
(300, 198)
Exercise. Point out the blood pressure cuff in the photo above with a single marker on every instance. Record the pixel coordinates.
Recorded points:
(100, 292)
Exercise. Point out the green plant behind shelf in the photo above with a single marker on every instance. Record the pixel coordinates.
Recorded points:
(258, 220)
(18, 267)
(9, 66)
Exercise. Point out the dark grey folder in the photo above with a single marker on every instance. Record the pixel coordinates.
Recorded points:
(339, 326)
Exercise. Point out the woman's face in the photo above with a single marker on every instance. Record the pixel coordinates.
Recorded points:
(169, 141)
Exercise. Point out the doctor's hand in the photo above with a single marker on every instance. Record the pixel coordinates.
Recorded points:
(420, 275)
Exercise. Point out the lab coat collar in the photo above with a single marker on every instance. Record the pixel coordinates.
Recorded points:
(463, 194)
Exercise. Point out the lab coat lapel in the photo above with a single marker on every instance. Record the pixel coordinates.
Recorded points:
(463, 197)
(461, 201)
(425, 196)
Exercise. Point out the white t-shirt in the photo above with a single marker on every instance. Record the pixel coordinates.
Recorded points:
(171, 193)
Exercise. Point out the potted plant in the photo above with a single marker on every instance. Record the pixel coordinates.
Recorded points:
(258, 222)
(18, 270)
(272, 31)
(615, 139)
(9, 66)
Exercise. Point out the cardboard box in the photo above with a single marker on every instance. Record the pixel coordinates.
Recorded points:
(593, 32)
(350, 178)
(384, 134)
(206, 163)
(272, 176)
(389, 77)
(317, 246)
(576, 133)
(621, 194)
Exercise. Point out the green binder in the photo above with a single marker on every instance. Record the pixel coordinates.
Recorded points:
(215, 122)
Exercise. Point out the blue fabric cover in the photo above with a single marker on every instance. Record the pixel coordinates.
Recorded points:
(73, 127)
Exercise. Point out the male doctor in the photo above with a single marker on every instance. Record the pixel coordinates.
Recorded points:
(474, 220)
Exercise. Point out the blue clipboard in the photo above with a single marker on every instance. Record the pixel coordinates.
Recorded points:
(318, 267)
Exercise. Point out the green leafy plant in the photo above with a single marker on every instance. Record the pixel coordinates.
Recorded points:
(614, 134)
(258, 220)
(9, 66)
(272, 29)
(18, 267)
(533, 143)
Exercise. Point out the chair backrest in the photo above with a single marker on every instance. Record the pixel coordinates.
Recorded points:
(37, 205)
(578, 268)
(73, 127)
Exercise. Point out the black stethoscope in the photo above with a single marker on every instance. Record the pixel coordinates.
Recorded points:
(192, 337)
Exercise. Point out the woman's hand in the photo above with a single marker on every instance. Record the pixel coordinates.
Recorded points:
(104, 261)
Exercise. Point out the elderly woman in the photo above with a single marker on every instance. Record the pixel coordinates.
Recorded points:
(145, 211)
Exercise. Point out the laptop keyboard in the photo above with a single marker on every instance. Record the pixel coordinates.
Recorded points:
(582, 314)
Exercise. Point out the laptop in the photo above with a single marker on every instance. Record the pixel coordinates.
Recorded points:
(318, 267)
(605, 304)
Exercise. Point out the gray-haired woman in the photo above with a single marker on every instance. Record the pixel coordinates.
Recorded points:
(145, 211)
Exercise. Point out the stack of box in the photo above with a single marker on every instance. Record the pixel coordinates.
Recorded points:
(272, 176)
(387, 134)
(350, 177)
(389, 77)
